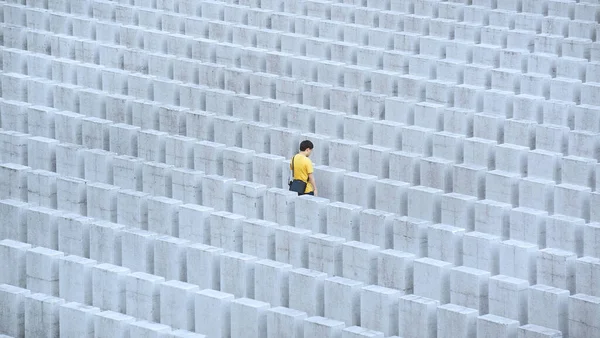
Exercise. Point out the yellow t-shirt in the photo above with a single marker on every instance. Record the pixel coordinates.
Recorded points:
(302, 167)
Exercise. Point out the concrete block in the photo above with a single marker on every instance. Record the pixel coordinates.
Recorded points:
(95, 133)
(285, 322)
(566, 233)
(127, 172)
(42, 315)
(555, 303)
(359, 189)
(226, 230)
(463, 319)
(432, 279)
(217, 192)
(582, 314)
(492, 217)
(357, 331)
(102, 201)
(237, 274)
(152, 145)
(343, 220)
(108, 285)
(469, 288)
(111, 324)
(417, 316)
(40, 121)
(310, 284)
(556, 268)
(458, 210)
(148, 329)
(586, 268)
(325, 253)
(291, 245)
(123, 139)
(13, 310)
(157, 179)
(14, 181)
(590, 233)
(212, 311)
(360, 261)
(194, 223)
(259, 238)
(280, 206)
(12, 260)
(480, 251)
(74, 234)
(445, 243)
(410, 235)
(163, 215)
(132, 208)
(248, 318)
(142, 292)
(204, 265)
(266, 169)
(15, 221)
(343, 154)
(208, 157)
(424, 203)
(542, 189)
(376, 227)
(379, 309)
(508, 297)
(98, 165)
(316, 220)
(172, 250)
(137, 250)
(577, 171)
(42, 227)
(373, 160)
(177, 295)
(322, 327)
(14, 147)
(331, 182)
(105, 242)
(345, 293)
(518, 259)
(572, 200)
(75, 279)
(77, 320)
(271, 282)
(41, 188)
(248, 199)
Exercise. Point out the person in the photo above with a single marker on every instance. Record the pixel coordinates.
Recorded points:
(303, 167)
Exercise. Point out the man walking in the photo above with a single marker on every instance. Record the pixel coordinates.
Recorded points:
(303, 181)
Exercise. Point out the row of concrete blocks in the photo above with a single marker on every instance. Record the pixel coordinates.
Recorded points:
(280, 55)
(179, 172)
(376, 230)
(330, 226)
(362, 18)
(175, 178)
(490, 53)
(341, 140)
(149, 297)
(34, 314)
(28, 314)
(383, 86)
(84, 84)
(450, 10)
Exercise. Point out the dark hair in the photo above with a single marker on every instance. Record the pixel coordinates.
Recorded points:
(306, 144)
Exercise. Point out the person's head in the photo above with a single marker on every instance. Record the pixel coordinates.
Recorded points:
(306, 147)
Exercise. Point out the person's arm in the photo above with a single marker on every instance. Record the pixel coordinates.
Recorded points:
(311, 180)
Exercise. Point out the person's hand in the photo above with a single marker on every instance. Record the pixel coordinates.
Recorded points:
(315, 191)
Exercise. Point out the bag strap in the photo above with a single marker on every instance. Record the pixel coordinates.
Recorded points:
(293, 166)
(293, 157)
